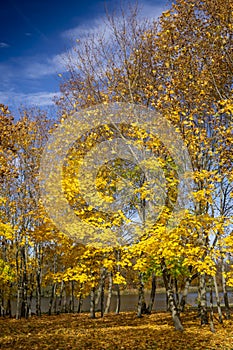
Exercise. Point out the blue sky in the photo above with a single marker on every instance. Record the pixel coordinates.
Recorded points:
(34, 38)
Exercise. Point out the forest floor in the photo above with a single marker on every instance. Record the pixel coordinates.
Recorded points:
(113, 332)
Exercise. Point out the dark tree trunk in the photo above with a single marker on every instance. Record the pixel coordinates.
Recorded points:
(177, 293)
(152, 293)
(118, 306)
(8, 308)
(51, 301)
(102, 295)
(71, 308)
(80, 301)
(92, 304)
(211, 310)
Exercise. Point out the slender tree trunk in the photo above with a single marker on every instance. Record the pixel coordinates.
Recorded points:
(177, 293)
(53, 298)
(2, 310)
(218, 300)
(185, 292)
(38, 281)
(30, 301)
(102, 295)
(211, 309)
(225, 295)
(51, 301)
(92, 304)
(141, 296)
(97, 299)
(64, 308)
(19, 302)
(72, 297)
(80, 301)
(60, 298)
(19, 285)
(170, 295)
(108, 302)
(25, 283)
(203, 301)
(152, 293)
(8, 309)
(118, 306)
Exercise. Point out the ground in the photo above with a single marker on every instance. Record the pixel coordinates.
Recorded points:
(114, 332)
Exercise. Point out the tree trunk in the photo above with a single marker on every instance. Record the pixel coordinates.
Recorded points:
(177, 293)
(19, 285)
(141, 296)
(152, 293)
(38, 281)
(225, 295)
(203, 302)
(64, 307)
(108, 302)
(22, 303)
(72, 297)
(2, 310)
(30, 303)
(102, 295)
(218, 300)
(92, 304)
(60, 298)
(51, 301)
(118, 306)
(8, 308)
(211, 310)
(80, 301)
(185, 292)
(170, 296)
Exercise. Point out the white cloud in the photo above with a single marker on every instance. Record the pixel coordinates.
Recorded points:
(39, 99)
(3, 45)
(48, 66)
(98, 25)
(85, 29)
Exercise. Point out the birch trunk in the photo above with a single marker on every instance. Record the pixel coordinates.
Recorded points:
(225, 295)
(218, 300)
(38, 281)
(109, 298)
(203, 301)
(185, 292)
(170, 297)
(141, 296)
(211, 311)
